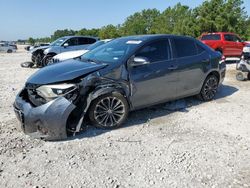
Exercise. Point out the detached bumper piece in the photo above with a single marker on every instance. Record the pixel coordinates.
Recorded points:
(48, 121)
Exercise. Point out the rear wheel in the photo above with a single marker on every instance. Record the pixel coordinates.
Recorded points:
(209, 88)
(109, 111)
(248, 76)
(9, 51)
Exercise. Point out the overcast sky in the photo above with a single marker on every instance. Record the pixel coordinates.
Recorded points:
(21, 19)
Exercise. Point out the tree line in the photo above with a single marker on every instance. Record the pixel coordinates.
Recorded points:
(210, 16)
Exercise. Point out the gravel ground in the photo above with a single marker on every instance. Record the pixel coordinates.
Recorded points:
(200, 145)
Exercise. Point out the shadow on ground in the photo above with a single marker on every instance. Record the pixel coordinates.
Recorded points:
(147, 114)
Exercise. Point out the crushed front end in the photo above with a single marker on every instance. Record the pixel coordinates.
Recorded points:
(43, 118)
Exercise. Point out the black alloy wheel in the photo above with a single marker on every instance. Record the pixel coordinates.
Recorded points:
(209, 88)
(108, 111)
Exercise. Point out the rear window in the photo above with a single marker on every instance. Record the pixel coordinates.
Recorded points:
(184, 47)
(211, 37)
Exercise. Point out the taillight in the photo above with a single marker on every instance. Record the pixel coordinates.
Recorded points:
(223, 58)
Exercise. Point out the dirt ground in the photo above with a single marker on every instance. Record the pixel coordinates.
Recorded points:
(200, 145)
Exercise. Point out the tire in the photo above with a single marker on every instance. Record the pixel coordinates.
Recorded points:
(240, 76)
(248, 76)
(209, 88)
(47, 59)
(27, 64)
(9, 51)
(108, 111)
(38, 59)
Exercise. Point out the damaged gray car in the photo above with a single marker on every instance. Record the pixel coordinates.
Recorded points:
(105, 84)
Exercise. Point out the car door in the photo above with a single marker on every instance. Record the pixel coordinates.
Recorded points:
(72, 45)
(230, 46)
(154, 82)
(239, 45)
(84, 42)
(191, 60)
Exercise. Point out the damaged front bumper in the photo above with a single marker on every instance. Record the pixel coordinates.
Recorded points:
(48, 121)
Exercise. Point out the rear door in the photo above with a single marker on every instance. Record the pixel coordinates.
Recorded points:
(191, 60)
(230, 45)
(155, 82)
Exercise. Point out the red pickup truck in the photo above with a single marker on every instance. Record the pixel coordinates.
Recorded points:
(229, 44)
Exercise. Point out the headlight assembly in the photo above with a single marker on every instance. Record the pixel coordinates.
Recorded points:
(50, 92)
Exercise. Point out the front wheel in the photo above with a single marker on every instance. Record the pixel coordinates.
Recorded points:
(248, 76)
(209, 88)
(47, 59)
(109, 111)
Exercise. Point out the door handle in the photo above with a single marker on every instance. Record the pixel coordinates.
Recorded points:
(172, 67)
(205, 61)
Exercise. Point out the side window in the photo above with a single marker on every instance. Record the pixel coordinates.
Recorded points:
(236, 38)
(200, 49)
(156, 51)
(83, 41)
(91, 41)
(184, 47)
(229, 37)
(72, 42)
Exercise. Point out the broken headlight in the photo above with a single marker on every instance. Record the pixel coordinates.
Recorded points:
(50, 92)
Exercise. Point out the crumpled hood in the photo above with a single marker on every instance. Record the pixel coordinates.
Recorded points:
(59, 72)
(69, 55)
(39, 48)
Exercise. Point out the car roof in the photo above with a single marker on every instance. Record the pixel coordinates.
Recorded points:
(214, 33)
(72, 36)
(154, 36)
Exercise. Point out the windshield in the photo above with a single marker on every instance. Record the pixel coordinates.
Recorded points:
(112, 52)
(58, 42)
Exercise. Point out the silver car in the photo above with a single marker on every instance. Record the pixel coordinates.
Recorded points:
(4, 47)
(42, 55)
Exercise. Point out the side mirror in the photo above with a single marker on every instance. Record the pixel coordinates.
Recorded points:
(65, 45)
(137, 61)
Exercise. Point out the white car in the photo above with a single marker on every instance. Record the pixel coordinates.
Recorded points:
(4, 47)
(74, 54)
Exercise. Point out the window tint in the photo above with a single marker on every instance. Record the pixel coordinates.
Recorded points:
(72, 42)
(229, 37)
(200, 49)
(83, 41)
(211, 37)
(184, 47)
(156, 51)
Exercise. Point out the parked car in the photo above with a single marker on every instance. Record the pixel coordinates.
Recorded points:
(29, 48)
(123, 75)
(243, 66)
(42, 55)
(5, 47)
(75, 54)
(229, 44)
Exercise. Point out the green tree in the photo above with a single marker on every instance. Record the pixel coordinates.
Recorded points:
(31, 41)
(88, 32)
(221, 15)
(176, 20)
(61, 33)
(109, 31)
(140, 22)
